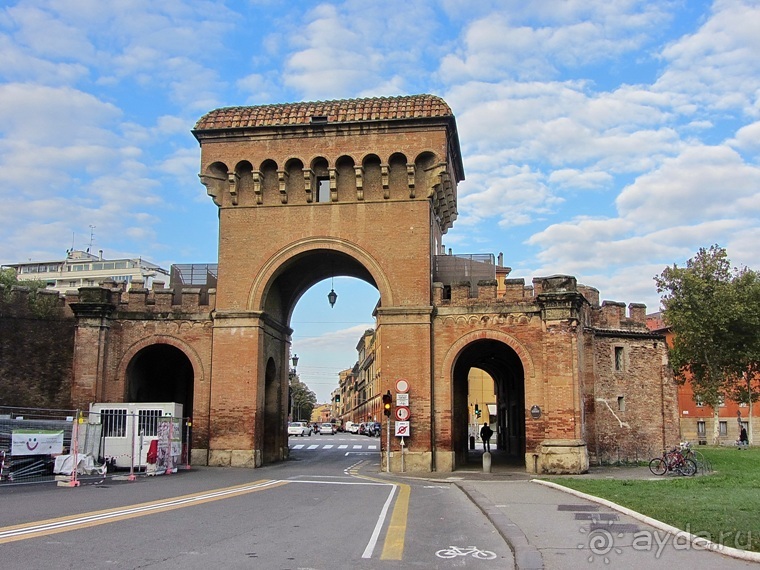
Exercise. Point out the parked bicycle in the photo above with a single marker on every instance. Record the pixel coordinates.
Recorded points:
(677, 460)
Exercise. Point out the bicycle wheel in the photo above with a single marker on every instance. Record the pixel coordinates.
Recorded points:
(688, 468)
(484, 555)
(447, 553)
(658, 466)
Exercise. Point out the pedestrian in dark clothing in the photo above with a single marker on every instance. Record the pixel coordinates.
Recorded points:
(743, 439)
(485, 435)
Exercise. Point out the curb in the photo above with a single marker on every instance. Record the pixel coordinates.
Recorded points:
(698, 542)
(527, 556)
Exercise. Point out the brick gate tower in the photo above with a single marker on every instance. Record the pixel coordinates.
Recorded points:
(367, 188)
(362, 188)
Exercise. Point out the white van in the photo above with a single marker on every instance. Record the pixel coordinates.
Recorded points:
(351, 427)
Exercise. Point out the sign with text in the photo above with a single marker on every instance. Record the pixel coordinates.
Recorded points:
(402, 429)
(402, 399)
(36, 442)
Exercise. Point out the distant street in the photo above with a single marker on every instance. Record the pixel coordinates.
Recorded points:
(325, 508)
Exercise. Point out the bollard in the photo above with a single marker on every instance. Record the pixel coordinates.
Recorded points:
(472, 442)
(486, 462)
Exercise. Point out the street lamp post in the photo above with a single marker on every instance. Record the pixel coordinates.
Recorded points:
(291, 377)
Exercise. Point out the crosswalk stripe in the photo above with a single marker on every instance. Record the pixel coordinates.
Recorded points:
(357, 447)
(327, 447)
(312, 447)
(342, 446)
(372, 447)
(299, 446)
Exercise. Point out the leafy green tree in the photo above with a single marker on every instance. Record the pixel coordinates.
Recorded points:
(714, 314)
(303, 399)
(42, 306)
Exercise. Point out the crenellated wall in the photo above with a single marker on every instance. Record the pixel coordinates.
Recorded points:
(592, 405)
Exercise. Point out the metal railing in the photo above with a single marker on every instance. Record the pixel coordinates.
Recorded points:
(69, 446)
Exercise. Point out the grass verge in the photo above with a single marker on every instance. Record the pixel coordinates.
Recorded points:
(723, 506)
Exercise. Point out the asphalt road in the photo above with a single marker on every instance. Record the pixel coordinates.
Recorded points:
(325, 508)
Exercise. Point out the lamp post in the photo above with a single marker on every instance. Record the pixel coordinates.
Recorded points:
(291, 377)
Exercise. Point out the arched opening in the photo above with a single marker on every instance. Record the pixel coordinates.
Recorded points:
(506, 415)
(303, 278)
(161, 373)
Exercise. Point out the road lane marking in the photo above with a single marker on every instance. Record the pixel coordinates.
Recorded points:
(393, 549)
(379, 525)
(327, 447)
(312, 447)
(372, 447)
(357, 447)
(75, 522)
(299, 446)
(342, 446)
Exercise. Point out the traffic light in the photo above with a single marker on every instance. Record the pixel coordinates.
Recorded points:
(477, 411)
(387, 399)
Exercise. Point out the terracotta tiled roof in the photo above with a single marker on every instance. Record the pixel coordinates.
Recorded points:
(344, 110)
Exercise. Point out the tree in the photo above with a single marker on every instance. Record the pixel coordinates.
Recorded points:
(714, 314)
(303, 399)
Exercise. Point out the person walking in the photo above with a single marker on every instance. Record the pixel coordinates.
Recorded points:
(485, 435)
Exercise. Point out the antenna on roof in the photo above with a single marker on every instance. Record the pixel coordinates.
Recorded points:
(92, 236)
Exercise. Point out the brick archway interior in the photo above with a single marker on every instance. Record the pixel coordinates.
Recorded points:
(161, 373)
(502, 363)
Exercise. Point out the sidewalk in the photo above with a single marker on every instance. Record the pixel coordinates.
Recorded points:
(552, 527)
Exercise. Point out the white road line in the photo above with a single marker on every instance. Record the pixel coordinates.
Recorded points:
(342, 446)
(299, 446)
(312, 447)
(379, 525)
(327, 447)
(357, 447)
(372, 447)
(121, 512)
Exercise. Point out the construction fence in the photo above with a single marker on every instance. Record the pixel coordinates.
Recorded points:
(72, 446)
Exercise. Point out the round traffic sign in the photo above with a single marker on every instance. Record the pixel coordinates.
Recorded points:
(402, 413)
(402, 385)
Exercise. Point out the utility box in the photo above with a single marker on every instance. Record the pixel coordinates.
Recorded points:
(129, 428)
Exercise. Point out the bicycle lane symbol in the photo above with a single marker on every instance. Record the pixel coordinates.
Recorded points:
(454, 551)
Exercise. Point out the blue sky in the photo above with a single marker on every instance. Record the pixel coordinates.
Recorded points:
(602, 139)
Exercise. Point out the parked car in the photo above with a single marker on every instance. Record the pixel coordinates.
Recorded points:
(299, 428)
(326, 429)
(351, 427)
(376, 429)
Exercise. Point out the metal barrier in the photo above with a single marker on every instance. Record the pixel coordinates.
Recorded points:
(69, 446)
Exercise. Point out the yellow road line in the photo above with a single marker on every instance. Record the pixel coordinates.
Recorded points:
(94, 518)
(393, 549)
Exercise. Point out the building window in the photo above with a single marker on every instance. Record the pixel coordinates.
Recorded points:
(114, 422)
(723, 428)
(618, 358)
(323, 189)
(621, 403)
(742, 404)
(722, 401)
(701, 431)
(698, 401)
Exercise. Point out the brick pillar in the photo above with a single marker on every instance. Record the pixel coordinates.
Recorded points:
(93, 313)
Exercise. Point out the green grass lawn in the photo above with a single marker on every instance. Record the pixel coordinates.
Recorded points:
(723, 506)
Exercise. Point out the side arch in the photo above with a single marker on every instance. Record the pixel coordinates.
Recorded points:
(189, 351)
(269, 270)
(447, 366)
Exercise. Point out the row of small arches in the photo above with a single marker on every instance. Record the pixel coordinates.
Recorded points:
(321, 181)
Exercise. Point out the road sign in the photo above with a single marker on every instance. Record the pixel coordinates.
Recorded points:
(402, 399)
(402, 385)
(402, 429)
(402, 413)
